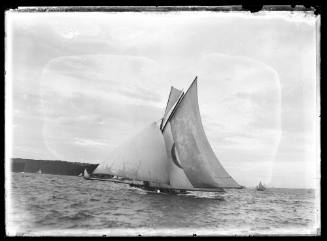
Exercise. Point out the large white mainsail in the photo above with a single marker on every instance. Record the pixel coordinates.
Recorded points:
(142, 157)
(197, 159)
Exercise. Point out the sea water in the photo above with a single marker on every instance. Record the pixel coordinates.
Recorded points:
(43, 204)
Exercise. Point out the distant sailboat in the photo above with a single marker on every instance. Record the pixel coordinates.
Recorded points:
(39, 171)
(86, 174)
(260, 187)
(174, 156)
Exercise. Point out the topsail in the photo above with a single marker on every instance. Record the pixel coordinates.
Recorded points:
(174, 96)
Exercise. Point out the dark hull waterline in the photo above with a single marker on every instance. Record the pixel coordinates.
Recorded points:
(157, 189)
(108, 180)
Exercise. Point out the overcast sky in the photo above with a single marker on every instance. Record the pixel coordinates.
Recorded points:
(81, 83)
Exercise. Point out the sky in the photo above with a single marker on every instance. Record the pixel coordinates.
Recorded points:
(79, 84)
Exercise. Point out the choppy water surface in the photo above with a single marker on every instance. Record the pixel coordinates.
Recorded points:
(42, 202)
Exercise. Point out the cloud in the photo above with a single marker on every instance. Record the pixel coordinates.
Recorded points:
(87, 142)
(130, 77)
(237, 97)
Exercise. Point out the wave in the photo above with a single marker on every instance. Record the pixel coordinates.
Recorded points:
(64, 202)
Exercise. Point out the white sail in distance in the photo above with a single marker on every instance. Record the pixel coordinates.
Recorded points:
(143, 157)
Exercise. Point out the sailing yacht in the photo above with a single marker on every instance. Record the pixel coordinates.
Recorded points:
(173, 155)
(86, 174)
(260, 187)
(39, 171)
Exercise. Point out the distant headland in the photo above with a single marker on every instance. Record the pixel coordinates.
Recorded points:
(55, 167)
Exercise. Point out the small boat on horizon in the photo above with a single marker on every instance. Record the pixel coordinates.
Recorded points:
(86, 174)
(39, 171)
(260, 187)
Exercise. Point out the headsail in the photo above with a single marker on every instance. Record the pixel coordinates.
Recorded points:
(177, 177)
(198, 160)
(143, 157)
